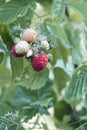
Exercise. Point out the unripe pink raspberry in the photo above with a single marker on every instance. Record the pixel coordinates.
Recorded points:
(39, 61)
(14, 53)
(29, 35)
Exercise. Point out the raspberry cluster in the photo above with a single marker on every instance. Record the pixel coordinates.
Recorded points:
(33, 48)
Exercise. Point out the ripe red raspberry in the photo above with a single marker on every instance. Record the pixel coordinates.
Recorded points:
(39, 61)
(14, 53)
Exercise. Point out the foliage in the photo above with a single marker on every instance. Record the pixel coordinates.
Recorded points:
(62, 86)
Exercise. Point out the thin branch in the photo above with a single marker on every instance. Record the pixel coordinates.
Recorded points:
(81, 126)
(40, 16)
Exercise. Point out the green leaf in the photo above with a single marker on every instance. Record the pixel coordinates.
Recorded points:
(56, 56)
(4, 108)
(2, 47)
(19, 97)
(64, 52)
(61, 109)
(77, 87)
(16, 66)
(61, 52)
(25, 21)
(72, 35)
(42, 102)
(13, 9)
(57, 31)
(43, 110)
(44, 96)
(80, 7)
(74, 38)
(54, 31)
(16, 97)
(6, 36)
(58, 10)
(2, 2)
(45, 127)
(45, 4)
(15, 127)
(65, 122)
(28, 102)
(29, 112)
(4, 76)
(33, 79)
(60, 78)
(76, 56)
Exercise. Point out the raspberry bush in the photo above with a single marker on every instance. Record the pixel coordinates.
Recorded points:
(43, 64)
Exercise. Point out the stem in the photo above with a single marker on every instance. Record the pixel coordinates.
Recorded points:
(35, 13)
(36, 122)
(38, 16)
(75, 122)
(44, 15)
(81, 126)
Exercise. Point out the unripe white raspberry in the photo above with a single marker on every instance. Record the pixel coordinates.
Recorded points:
(45, 45)
(22, 47)
(29, 35)
(29, 53)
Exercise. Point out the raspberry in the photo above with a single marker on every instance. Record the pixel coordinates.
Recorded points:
(22, 47)
(14, 53)
(45, 45)
(39, 61)
(29, 35)
(29, 53)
